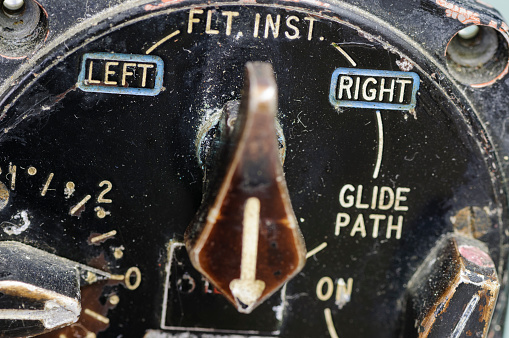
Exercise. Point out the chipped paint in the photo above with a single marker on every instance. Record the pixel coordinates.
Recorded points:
(16, 229)
(466, 266)
(404, 64)
(461, 14)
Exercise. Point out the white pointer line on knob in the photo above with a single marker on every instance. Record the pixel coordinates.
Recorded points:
(250, 239)
(247, 289)
(460, 327)
(50, 317)
(59, 310)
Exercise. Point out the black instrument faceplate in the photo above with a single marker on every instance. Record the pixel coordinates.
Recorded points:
(434, 156)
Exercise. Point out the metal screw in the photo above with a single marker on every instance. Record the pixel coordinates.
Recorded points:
(469, 32)
(13, 5)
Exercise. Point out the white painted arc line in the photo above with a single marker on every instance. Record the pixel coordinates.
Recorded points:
(380, 145)
(330, 324)
(163, 40)
(345, 54)
(316, 250)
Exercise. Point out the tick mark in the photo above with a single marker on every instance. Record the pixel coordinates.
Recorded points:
(97, 316)
(32, 171)
(46, 185)
(12, 172)
(345, 54)
(80, 205)
(103, 237)
(316, 250)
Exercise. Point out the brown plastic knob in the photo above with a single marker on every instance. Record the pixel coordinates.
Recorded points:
(245, 239)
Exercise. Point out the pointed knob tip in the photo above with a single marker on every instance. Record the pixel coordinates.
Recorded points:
(247, 293)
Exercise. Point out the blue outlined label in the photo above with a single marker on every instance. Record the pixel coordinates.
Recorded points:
(374, 89)
(121, 74)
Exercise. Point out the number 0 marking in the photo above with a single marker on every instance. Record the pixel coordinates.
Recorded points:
(128, 274)
(325, 281)
(101, 198)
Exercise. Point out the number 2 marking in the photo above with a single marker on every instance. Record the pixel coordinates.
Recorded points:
(101, 198)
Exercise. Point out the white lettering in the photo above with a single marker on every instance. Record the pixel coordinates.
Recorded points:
(257, 25)
(403, 84)
(372, 92)
(357, 88)
(401, 198)
(345, 84)
(208, 28)
(108, 72)
(349, 202)
(342, 221)
(374, 197)
(376, 223)
(359, 204)
(398, 227)
(359, 226)
(381, 198)
(311, 24)
(381, 201)
(192, 19)
(384, 90)
(126, 73)
(274, 27)
(145, 67)
(229, 20)
(289, 24)
(344, 292)
(90, 68)
(325, 290)
(325, 281)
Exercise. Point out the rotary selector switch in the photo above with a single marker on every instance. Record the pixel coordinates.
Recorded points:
(246, 238)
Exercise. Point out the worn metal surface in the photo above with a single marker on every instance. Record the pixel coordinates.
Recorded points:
(454, 292)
